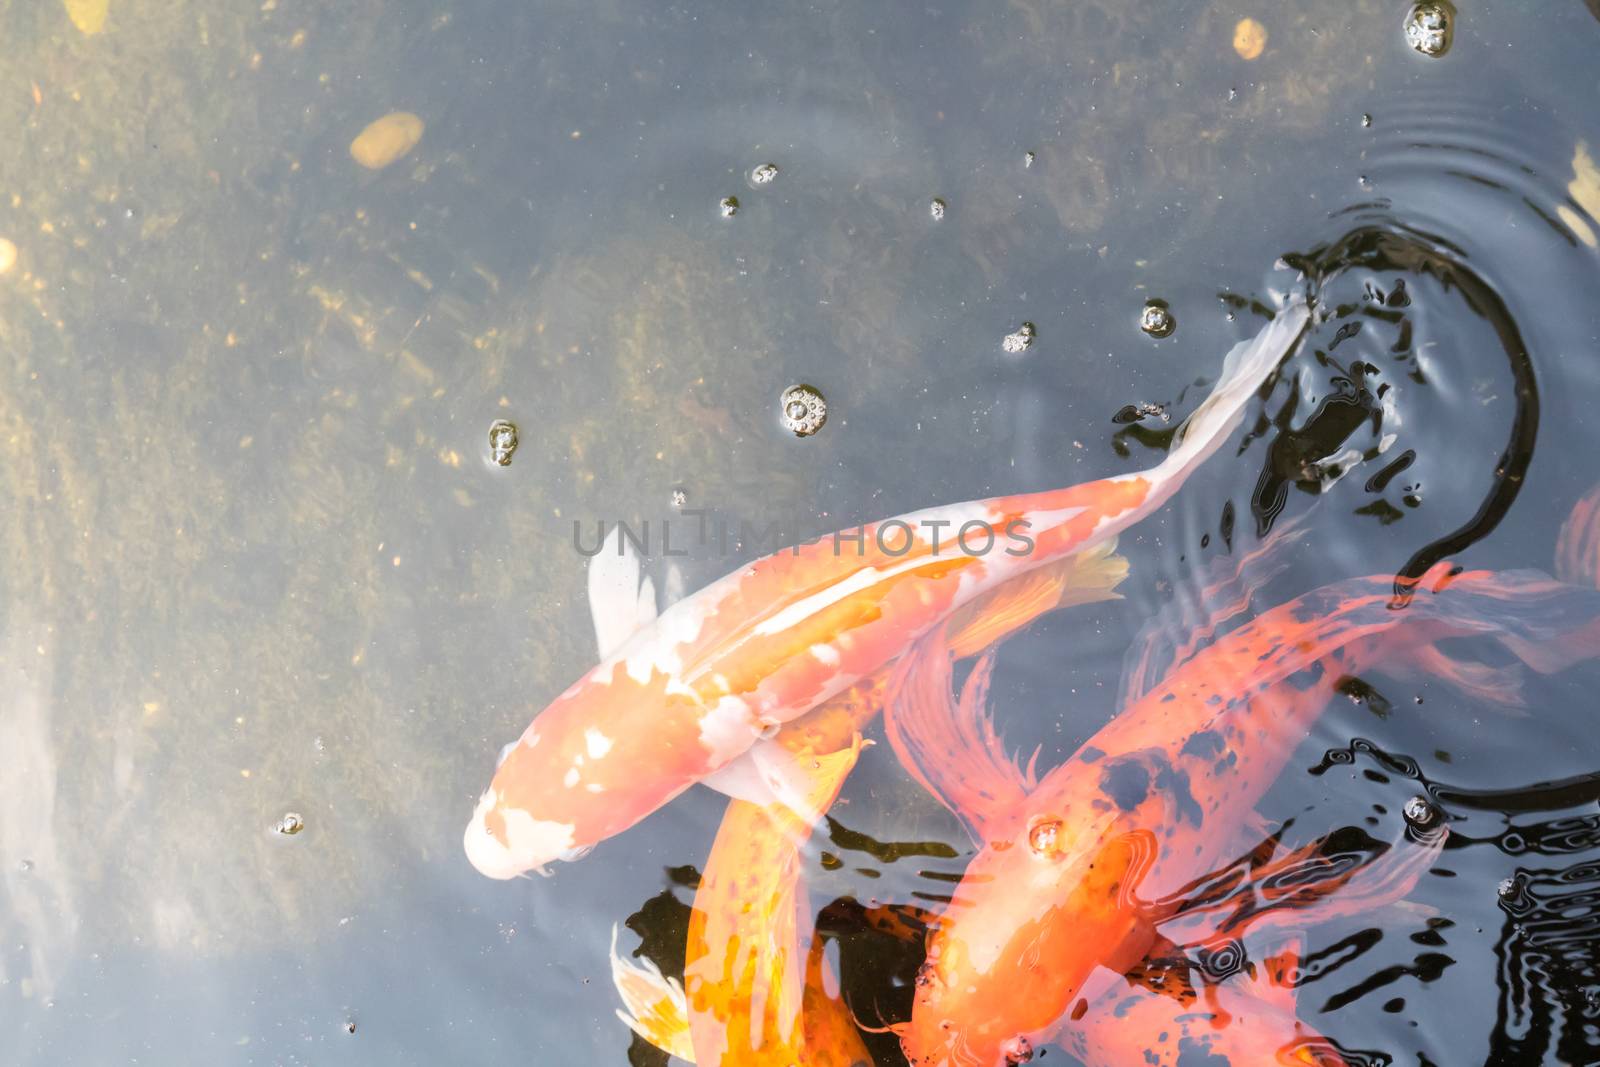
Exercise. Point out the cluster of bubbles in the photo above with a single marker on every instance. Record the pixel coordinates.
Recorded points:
(1139, 412)
(761, 174)
(1428, 27)
(1020, 341)
(1156, 319)
(502, 441)
(1420, 812)
(802, 410)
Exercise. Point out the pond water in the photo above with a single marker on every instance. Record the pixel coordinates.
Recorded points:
(261, 560)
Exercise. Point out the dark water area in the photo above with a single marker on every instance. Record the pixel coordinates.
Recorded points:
(261, 561)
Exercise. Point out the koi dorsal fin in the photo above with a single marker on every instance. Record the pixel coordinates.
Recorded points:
(619, 603)
(951, 748)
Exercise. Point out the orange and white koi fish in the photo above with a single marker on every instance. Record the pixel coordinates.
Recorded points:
(1066, 864)
(745, 1000)
(693, 696)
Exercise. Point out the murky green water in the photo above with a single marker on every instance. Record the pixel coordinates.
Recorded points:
(260, 561)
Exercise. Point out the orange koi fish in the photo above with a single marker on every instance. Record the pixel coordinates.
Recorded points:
(745, 999)
(1067, 864)
(695, 695)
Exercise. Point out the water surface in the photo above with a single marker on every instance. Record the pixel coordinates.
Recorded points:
(259, 561)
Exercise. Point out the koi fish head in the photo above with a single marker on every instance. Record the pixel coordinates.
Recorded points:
(1033, 917)
(506, 842)
(618, 744)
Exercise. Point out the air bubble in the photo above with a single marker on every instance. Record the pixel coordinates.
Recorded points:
(1429, 27)
(1044, 836)
(290, 824)
(763, 174)
(1020, 341)
(1139, 412)
(1016, 1049)
(728, 206)
(1156, 320)
(1420, 812)
(802, 410)
(502, 441)
(936, 208)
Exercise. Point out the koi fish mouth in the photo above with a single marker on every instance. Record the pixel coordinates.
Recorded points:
(506, 843)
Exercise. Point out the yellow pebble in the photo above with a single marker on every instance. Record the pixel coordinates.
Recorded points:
(1249, 39)
(8, 255)
(88, 15)
(386, 140)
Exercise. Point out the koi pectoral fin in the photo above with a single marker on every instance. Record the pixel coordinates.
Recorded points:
(1277, 974)
(799, 785)
(1311, 885)
(619, 603)
(951, 748)
(1500, 686)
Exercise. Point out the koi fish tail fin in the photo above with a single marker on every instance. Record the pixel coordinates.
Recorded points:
(951, 748)
(1083, 578)
(1578, 547)
(655, 1007)
(1245, 370)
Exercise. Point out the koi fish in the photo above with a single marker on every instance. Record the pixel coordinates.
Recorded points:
(1066, 863)
(745, 999)
(695, 695)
